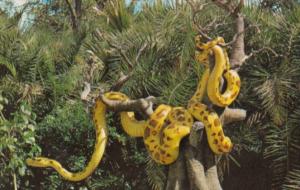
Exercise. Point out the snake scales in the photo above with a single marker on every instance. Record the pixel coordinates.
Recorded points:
(165, 128)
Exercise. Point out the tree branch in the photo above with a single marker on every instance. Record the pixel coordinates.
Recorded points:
(120, 82)
(73, 15)
(228, 5)
(124, 78)
(143, 105)
(195, 10)
(195, 168)
(177, 175)
(211, 173)
(86, 91)
(232, 115)
(193, 153)
(238, 50)
(255, 52)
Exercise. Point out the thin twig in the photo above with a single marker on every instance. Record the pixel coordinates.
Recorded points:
(120, 82)
(255, 52)
(229, 6)
(140, 52)
(235, 37)
(195, 11)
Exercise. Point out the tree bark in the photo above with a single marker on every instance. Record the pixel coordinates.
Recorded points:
(177, 175)
(238, 50)
(75, 13)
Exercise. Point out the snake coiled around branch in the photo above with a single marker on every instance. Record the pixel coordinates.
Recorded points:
(164, 130)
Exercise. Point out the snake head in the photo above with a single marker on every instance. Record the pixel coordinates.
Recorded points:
(202, 51)
(116, 96)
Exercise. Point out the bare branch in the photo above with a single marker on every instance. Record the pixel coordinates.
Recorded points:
(232, 115)
(229, 6)
(120, 82)
(195, 168)
(239, 7)
(143, 105)
(86, 91)
(214, 25)
(211, 173)
(235, 37)
(140, 52)
(238, 50)
(255, 52)
(200, 161)
(195, 11)
(226, 5)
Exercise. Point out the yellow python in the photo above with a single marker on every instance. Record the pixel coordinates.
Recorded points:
(101, 138)
(165, 128)
(210, 83)
(150, 129)
(164, 131)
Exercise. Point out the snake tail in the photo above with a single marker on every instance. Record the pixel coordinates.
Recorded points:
(101, 138)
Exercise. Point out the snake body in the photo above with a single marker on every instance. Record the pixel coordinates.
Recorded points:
(210, 83)
(221, 69)
(167, 125)
(164, 131)
(101, 138)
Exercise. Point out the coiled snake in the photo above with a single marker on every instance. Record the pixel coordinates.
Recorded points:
(165, 128)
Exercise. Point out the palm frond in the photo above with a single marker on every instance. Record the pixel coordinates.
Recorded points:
(276, 150)
(292, 179)
(155, 175)
(9, 66)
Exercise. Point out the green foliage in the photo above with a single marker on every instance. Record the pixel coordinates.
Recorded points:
(271, 95)
(43, 69)
(17, 141)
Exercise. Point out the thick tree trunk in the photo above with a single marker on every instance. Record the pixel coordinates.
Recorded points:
(177, 179)
(238, 49)
(199, 162)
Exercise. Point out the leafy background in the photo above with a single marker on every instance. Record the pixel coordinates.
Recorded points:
(43, 70)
